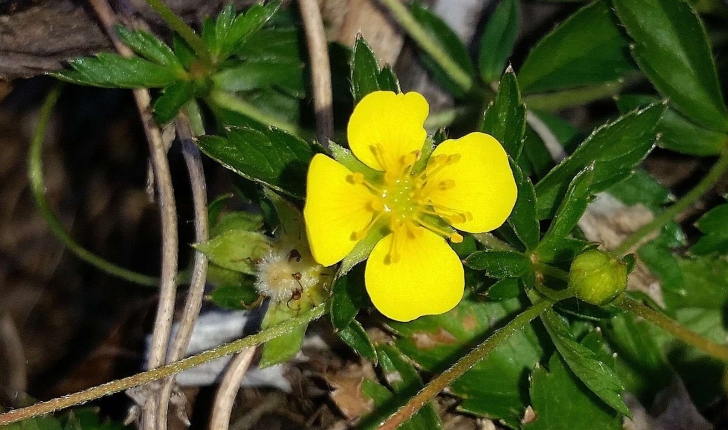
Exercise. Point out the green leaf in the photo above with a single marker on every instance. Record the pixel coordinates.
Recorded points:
(237, 220)
(570, 210)
(585, 364)
(366, 77)
(536, 161)
(714, 226)
(588, 48)
(498, 39)
(235, 250)
(286, 346)
(285, 75)
(704, 283)
(523, 218)
(172, 99)
(347, 298)
(493, 388)
(671, 47)
(184, 52)
(505, 119)
(235, 296)
(504, 289)
(356, 337)
(450, 43)
(114, 71)
(678, 133)
(149, 46)
(37, 423)
(266, 155)
(641, 188)
(499, 264)
(560, 401)
(641, 364)
(615, 149)
(245, 25)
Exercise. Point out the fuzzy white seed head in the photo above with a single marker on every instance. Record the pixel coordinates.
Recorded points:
(285, 272)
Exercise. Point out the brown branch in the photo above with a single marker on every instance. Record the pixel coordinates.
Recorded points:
(225, 397)
(167, 209)
(318, 52)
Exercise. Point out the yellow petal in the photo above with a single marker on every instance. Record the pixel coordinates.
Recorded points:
(392, 122)
(335, 209)
(428, 279)
(484, 186)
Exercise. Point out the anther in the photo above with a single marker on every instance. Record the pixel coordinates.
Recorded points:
(376, 205)
(447, 184)
(454, 158)
(357, 178)
(456, 238)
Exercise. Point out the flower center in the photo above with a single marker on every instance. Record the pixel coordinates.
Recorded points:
(404, 200)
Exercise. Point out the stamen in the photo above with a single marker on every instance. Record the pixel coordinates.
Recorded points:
(393, 256)
(408, 161)
(437, 163)
(378, 151)
(453, 236)
(447, 184)
(361, 234)
(358, 178)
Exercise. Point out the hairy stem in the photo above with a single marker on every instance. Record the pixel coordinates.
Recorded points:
(675, 329)
(163, 371)
(435, 386)
(715, 173)
(431, 46)
(37, 186)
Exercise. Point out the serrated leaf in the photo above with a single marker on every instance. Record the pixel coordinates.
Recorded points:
(585, 364)
(266, 155)
(536, 161)
(356, 337)
(588, 48)
(148, 46)
(292, 227)
(285, 74)
(493, 387)
(235, 250)
(237, 220)
(641, 188)
(671, 47)
(347, 298)
(215, 208)
(172, 99)
(560, 401)
(246, 25)
(235, 297)
(505, 119)
(497, 41)
(615, 149)
(523, 218)
(504, 289)
(641, 364)
(678, 133)
(366, 77)
(286, 346)
(714, 226)
(449, 42)
(183, 51)
(114, 71)
(570, 210)
(499, 264)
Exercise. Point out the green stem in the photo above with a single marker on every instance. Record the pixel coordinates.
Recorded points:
(37, 185)
(675, 329)
(563, 99)
(445, 117)
(438, 384)
(705, 184)
(428, 44)
(552, 271)
(163, 371)
(492, 242)
(184, 30)
(230, 102)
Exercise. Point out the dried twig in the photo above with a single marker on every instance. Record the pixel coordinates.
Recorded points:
(318, 52)
(199, 270)
(229, 388)
(12, 346)
(167, 207)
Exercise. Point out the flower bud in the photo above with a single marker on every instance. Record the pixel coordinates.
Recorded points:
(597, 277)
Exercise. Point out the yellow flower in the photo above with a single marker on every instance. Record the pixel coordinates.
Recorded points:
(466, 183)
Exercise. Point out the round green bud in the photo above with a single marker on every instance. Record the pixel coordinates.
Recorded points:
(597, 277)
